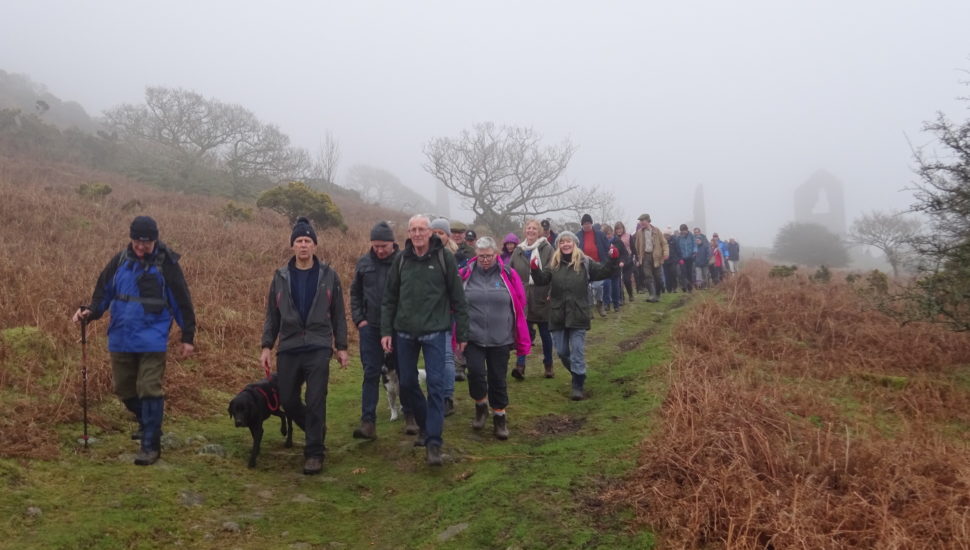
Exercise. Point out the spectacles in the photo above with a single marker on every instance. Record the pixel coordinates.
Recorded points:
(418, 230)
(486, 257)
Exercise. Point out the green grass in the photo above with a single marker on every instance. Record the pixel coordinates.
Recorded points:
(536, 490)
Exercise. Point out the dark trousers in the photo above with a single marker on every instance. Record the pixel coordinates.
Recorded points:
(687, 274)
(670, 276)
(487, 370)
(313, 369)
(372, 359)
(628, 278)
(715, 274)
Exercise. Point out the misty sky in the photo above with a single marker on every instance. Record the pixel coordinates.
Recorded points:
(746, 98)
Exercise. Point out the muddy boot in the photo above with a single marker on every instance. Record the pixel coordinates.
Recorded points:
(449, 406)
(549, 371)
(367, 430)
(599, 309)
(578, 381)
(481, 415)
(654, 298)
(313, 465)
(434, 455)
(460, 373)
(518, 372)
(421, 440)
(500, 426)
(410, 424)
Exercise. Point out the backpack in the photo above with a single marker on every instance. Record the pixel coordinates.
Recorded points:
(441, 263)
(151, 289)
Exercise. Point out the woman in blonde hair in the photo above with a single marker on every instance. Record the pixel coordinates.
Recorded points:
(568, 275)
(537, 296)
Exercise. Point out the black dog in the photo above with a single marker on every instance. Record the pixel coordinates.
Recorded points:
(254, 405)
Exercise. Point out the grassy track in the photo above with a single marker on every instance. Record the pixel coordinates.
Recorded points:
(536, 490)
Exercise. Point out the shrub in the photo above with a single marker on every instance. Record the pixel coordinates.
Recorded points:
(94, 191)
(233, 213)
(297, 199)
(779, 271)
(822, 275)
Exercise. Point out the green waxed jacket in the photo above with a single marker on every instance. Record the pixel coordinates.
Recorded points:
(423, 293)
(569, 291)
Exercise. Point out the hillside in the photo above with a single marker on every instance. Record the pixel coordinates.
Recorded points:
(19, 92)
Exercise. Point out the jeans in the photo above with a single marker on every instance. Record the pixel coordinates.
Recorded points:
(597, 287)
(607, 292)
(449, 367)
(429, 413)
(571, 347)
(313, 368)
(488, 368)
(372, 359)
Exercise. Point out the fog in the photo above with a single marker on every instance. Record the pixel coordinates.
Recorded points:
(747, 98)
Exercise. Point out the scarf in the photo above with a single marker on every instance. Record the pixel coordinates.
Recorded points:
(530, 248)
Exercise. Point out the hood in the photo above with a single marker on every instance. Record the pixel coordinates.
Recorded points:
(510, 238)
(434, 244)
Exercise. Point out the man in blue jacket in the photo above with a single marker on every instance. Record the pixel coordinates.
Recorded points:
(305, 313)
(144, 289)
(688, 248)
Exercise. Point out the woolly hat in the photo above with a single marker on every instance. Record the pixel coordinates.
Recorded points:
(302, 228)
(510, 238)
(568, 234)
(143, 228)
(586, 218)
(442, 225)
(382, 232)
(546, 224)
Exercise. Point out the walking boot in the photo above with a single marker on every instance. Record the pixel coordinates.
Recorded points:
(410, 424)
(481, 415)
(599, 309)
(421, 439)
(549, 371)
(578, 381)
(152, 412)
(653, 298)
(460, 373)
(434, 455)
(313, 465)
(518, 372)
(449, 406)
(500, 426)
(367, 430)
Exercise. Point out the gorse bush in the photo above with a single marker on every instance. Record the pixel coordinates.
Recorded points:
(233, 213)
(94, 191)
(297, 199)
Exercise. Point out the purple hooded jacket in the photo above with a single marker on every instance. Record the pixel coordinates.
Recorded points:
(523, 344)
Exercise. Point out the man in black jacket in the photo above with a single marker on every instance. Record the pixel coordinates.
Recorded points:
(305, 312)
(366, 293)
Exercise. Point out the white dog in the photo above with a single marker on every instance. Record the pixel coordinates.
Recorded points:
(393, 386)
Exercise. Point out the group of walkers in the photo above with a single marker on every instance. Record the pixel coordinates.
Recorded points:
(465, 303)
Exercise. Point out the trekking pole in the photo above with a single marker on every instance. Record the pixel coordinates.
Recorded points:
(84, 376)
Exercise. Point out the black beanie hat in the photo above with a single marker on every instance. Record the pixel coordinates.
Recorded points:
(302, 228)
(143, 228)
(382, 232)
(586, 218)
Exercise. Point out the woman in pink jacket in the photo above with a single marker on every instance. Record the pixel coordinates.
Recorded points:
(497, 322)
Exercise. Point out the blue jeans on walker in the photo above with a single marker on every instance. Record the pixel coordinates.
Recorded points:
(571, 347)
(429, 412)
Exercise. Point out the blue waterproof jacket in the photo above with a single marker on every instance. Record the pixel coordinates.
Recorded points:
(686, 245)
(602, 245)
(144, 296)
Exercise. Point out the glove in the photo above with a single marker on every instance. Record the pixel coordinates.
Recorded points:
(534, 264)
(614, 253)
(682, 262)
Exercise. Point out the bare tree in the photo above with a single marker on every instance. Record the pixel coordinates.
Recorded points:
(890, 232)
(328, 157)
(504, 174)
